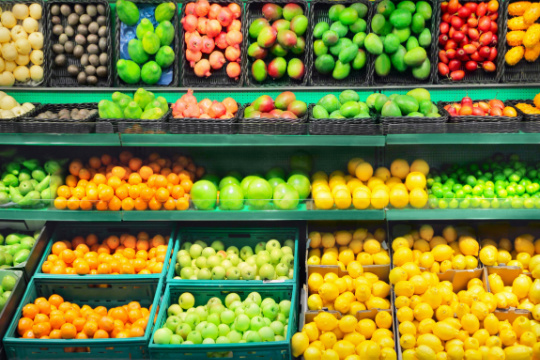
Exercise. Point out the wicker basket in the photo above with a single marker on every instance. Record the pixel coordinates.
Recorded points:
(203, 126)
(530, 122)
(59, 76)
(415, 125)
(367, 126)
(30, 124)
(272, 126)
(133, 126)
(123, 30)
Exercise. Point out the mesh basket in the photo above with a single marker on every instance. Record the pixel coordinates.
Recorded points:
(272, 126)
(59, 76)
(203, 126)
(530, 122)
(366, 126)
(133, 126)
(415, 125)
(32, 124)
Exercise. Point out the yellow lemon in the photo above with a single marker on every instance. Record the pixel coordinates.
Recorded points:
(342, 303)
(315, 281)
(399, 168)
(368, 350)
(407, 341)
(329, 291)
(411, 268)
(354, 184)
(380, 289)
(344, 348)
(427, 260)
(386, 342)
(299, 343)
(521, 286)
(330, 354)
(388, 354)
(381, 258)
(402, 256)
(311, 330)
(312, 353)
(397, 274)
(518, 352)
(364, 171)
(402, 301)
(445, 331)
(315, 302)
(405, 314)
(480, 310)
(426, 326)
(374, 181)
(329, 259)
(399, 242)
(325, 321)
(399, 197)
(468, 245)
(415, 180)
(422, 245)
(364, 258)
(432, 297)
(420, 165)
(328, 339)
(383, 173)
(424, 352)
(379, 198)
(521, 324)
(366, 327)
(324, 200)
(404, 288)
(354, 338)
(330, 277)
(372, 246)
(355, 269)
(418, 198)
(356, 246)
(314, 260)
(470, 323)
(442, 252)
(352, 164)
(420, 284)
(361, 198)
(409, 354)
(489, 256)
(342, 199)
(383, 320)
(423, 311)
(328, 240)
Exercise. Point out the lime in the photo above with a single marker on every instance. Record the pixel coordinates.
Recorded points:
(467, 189)
(528, 203)
(453, 204)
(465, 203)
(502, 193)
(517, 203)
(443, 204)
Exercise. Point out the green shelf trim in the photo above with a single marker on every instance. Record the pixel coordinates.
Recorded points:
(59, 215)
(440, 139)
(461, 214)
(61, 139)
(211, 140)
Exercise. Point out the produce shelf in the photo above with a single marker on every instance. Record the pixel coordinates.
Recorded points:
(439, 139)
(459, 214)
(60, 139)
(59, 215)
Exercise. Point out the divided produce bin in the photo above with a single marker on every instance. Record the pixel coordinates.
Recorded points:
(34, 124)
(82, 291)
(363, 126)
(416, 125)
(271, 350)
(67, 231)
(271, 126)
(133, 126)
(233, 236)
(8, 311)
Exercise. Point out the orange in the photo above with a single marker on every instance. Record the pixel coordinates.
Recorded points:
(130, 242)
(182, 204)
(30, 311)
(25, 324)
(147, 194)
(128, 204)
(114, 182)
(68, 331)
(60, 203)
(146, 172)
(172, 178)
(41, 329)
(187, 184)
(58, 247)
(170, 204)
(154, 204)
(99, 179)
(68, 256)
(134, 305)
(29, 335)
(55, 334)
(84, 174)
(79, 323)
(122, 192)
(82, 268)
(134, 191)
(94, 162)
(71, 315)
(104, 269)
(74, 167)
(106, 193)
(101, 334)
(136, 331)
(78, 192)
(64, 191)
(161, 181)
(56, 300)
(112, 242)
(44, 307)
(119, 172)
(135, 164)
(177, 192)
(115, 204)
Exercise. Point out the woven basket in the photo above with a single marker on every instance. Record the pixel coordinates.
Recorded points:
(272, 126)
(30, 124)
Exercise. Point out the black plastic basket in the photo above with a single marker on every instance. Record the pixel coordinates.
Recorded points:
(319, 12)
(31, 124)
(219, 78)
(59, 76)
(530, 122)
(175, 46)
(133, 126)
(368, 126)
(204, 126)
(254, 11)
(10, 125)
(479, 76)
(272, 126)
(523, 71)
(7, 5)
(406, 78)
(415, 125)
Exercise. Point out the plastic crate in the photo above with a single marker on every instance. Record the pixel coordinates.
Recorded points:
(238, 237)
(268, 350)
(6, 315)
(109, 293)
(66, 231)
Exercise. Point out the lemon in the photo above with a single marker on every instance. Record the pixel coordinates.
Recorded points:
(402, 301)
(315, 281)
(426, 326)
(399, 242)
(379, 198)
(508, 337)
(521, 324)
(415, 301)
(326, 321)
(495, 283)
(341, 283)
(311, 330)
(364, 259)
(386, 342)
(518, 352)
(324, 200)
(407, 341)
(299, 343)
(354, 268)
(356, 307)
(523, 243)
(366, 327)
(353, 357)
(420, 284)
(318, 344)
(330, 354)
(459, 262)
(352, 164)
(403, 255)
(470, 323)
(399, 196)
(424, 352)
(347, 323)
(493, 341)
(363, 293)
(354, 338)
(411, 268)
(528, 338)
(329, 291)
(521, 286)
(312, 353)
(445, 331)
(380, 289)
(418, 198)
(397, 274)
(405, 314)
(344, 348)
(383, 173)
(328, 339)
(342, 303)
(368, 350)
(427, 260)
(329, 259)
(361, 198)
(330, 277)
(346, 256)
(409, 354)
(388, 354)
(404, 288)
(524, 259)
(423, 311)
(496, 353)
(363, 171)
(381, 258)
(383, 320)
(442, 252)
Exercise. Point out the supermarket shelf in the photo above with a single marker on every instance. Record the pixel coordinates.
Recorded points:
(60, 139)
(480, 139)
(59, 215)
(459, 214)
(212, 140)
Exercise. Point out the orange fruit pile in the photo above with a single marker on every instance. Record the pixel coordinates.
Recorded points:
(55, 318)
(128, 183)
(115, 255)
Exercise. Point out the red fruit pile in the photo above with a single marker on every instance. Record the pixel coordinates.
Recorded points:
(188, 107)
(481, 108)
(468, 38)
(213, 35)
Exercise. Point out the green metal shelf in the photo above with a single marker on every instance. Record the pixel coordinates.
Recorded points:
(59, 215)
(461, 214)
(445, 139)
(249, 140)
(61, 139)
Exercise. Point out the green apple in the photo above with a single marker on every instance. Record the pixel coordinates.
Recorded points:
(204, 195)
(224, 329)
(277, 338)
(234, 336)
(260, 247)
(255, 297)
(208, 341)
(233, 273)
(285, 307)
(275, 256)
(186, 300)
(223, 340)
(234, 259)
(267, 272)
(231, 197)
(253, 310)
(201, 243)
(227, 317)
(256, 323)
(183, 330)
(259, 193)
(218, 245)
(302, 184)
(287, 250)
(267, 334)
(253, 337)
(278, 327)
(228, 180)
(163, 336)
(282, 270)
(195, 337)
(226, 264)
(195, 251)
(201, 262)
(184, 261)
(289, 243)
(233, 250)
(201, 325)
(192, 320)
(286, 197)
(210, 331)
(262, 258)
(270, 311)
(274, 182)
(216, 308)
(213, 260)
(174, 310)
(218, 273)
(275, 173)
(246, 181)
(201, 312)
(267, 301)
(272, 244)
(288, 260)
(214, 319)
(242, 322)
(176, 340)
(230, 298)
(208, 251)
(186, 246)
(246, 252)
(248, 272)
(187, 273)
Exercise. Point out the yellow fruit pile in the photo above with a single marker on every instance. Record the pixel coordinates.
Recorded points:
(343, 247)
(345, 339)
(348, 294)
(523, 252)
(436, 253)
(524, 34)
(435, 322)
(523, 294)
(530, 109)
(363, 187)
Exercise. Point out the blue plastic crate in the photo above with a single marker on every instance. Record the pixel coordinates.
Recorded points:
(238, 237)
(66, 231)
(277, 350)
(108, 293)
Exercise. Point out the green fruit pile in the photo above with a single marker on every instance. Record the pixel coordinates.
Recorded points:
(29, 183)
(230, 321)
(401, 38)
(15, 248)
(6, 287)
(144, 106)
(416, 103)
(151, 50)
(504, 182)
(339, 46)
(273, 191)
(347, 106)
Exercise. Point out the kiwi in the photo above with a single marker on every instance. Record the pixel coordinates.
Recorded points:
(101, 71)
(93, 28)
(58, 30)
(58, 48)
(55, 10)
(93, 60)
(81, 78)
(60, 60)
(92, 49)
(92, 39)
(78, 51)
(91, 10)
(103, 59)
(69, 31)
(90, 70)
(101, 9)
(63, 38)
(69, 47)
(85, 19)
(73, 19)
(103, 44)
(82, 29)
(92, 80)
(80, 39)
(65, 10)
(79, 9)
(102, 20)
(102, 31)
(56, 20)
(84, 60)
(73, 70)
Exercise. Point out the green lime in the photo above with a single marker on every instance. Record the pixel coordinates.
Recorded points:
(465, 203)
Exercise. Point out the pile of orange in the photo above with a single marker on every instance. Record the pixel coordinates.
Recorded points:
(128, 183)
(55, 318)
(115, 255)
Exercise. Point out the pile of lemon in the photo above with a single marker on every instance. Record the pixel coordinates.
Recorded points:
(523, 294)
(345, 339)
(436, 253)
(523, 252)
(435, 322)
(362, 187)
(344, 246)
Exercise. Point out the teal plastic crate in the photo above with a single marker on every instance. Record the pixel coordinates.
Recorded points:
(108, 293)
(277, 350)
(239, 237)
(66, 231)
